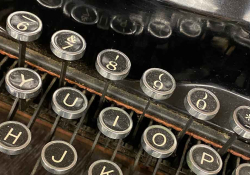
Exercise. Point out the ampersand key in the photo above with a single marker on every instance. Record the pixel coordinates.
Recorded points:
(69, 46)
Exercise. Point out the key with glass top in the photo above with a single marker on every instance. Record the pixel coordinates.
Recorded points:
(240, 124)
(58, 157)
(201, 104)
(69, 46)
(243, 169)
(22, 83)
(204, 160)
(69, 102)
(15, 137)
(159, 142)
(24, 27)
(102, 167)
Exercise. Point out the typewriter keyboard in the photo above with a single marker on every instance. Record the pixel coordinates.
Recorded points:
(57, 119)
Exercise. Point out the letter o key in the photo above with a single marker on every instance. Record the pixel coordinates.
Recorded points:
(69, 102)
(158, 141)
(204, 160)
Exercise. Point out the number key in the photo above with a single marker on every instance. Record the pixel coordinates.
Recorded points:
(113, 64)
(202, 103)
(24, 26)
(157, 83)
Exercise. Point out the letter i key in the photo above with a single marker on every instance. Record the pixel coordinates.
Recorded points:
(113, 65)
(24, 27)
(69, 46)
(201, 104)
(22, 83)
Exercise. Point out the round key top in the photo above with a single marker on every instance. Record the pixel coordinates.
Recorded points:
(68, 45)
(190, 28)
(157, 83)
(58, 157)
(14, 137)
(104, 167)
(243, 169)
(24, 26)
(123, 25)
(160, 29)
(204, 160)
(114, 123)
(69, 103)
(23, 83)
(85, 14)
(113, 64)
(51, 4)
(202, 103)
(158, 141)
(240, 121)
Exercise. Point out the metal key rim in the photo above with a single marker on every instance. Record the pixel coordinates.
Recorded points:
(105, 161)
(167, 152)
(76, 18)
(39, 29)
(125, 132)
(191, 162)
(103, 68)
(20, 90)
(237, 171)
(236, 124)
(65, 54)
(152, 89)
(70, 111)
(188, 98)
(14, 150)
(48, 166)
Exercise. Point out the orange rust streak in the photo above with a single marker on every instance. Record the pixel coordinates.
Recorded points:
(132, 108)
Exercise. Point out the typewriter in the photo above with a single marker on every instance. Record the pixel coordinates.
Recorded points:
(117, 87)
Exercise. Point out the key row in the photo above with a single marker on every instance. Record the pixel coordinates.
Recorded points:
(25, 83)
(59, 157)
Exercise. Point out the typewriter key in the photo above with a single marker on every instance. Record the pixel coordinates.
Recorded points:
(204, 160)
(23, 83)
(160, 29)
(190, 28)
(58, 157)
(201, 104)
(14, 137)
(85, 14)
(243, 169)
(157, 83)
(114, 123)
(123, 25)
(102, 167)
(24, 27)
(158, 141)
(113, 64)
(51, 4)
(69, 103)
(69, 46)
(240, 121)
